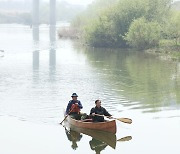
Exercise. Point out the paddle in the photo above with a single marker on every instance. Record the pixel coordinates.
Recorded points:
(125, 120)
(66, 115)
(127, 138)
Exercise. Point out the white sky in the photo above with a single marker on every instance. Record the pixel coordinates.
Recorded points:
(81, 2)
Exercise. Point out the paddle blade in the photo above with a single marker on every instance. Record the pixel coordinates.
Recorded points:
(125, 120)
(127, 138)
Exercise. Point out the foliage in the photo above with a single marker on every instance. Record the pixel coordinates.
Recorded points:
(172, 30)
(99, 32)
(143, 34)
(157, 9)
(106, 25)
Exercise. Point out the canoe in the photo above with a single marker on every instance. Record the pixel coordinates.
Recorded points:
(107, 126)
(107, 138)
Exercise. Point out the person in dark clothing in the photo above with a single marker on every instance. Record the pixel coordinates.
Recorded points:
(74, 106)
(98, 109)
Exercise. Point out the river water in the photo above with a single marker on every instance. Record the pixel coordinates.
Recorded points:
(37, 79)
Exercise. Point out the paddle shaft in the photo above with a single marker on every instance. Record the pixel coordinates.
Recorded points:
(66, 116)
(125, 120)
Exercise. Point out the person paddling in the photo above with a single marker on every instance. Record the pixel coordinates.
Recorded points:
(98, 109)
(74, 106)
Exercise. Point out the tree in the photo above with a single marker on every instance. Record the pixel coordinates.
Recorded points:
(106, 25)
(143, 34)
(172, 30)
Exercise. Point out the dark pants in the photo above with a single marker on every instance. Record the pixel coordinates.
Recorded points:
(78, 116)
(75, 115)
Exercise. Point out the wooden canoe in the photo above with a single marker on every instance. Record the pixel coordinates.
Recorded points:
(107, 126)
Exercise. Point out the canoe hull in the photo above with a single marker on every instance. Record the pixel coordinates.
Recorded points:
(108, 126)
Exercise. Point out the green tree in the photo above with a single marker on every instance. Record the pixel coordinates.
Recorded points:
(157, 10)
(143, 34)
(172, 30)
(100, 32)
(106, 25)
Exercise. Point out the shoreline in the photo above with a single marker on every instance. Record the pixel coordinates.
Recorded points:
(171, 53)
(166, 50)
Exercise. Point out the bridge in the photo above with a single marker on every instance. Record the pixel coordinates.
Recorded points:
(52, 19)
(52, 35)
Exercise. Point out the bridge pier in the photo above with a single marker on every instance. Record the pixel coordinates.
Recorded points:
(52, 17)
(52, 37)
(52, 20)
(52, 34)
(35, 20)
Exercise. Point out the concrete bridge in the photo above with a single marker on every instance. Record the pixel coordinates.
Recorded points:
(52, 19)
(52, 35)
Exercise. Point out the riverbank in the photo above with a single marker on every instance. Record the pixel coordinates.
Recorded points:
(167, 50)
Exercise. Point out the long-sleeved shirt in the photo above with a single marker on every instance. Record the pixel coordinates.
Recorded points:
(101, 111)
(71, 102)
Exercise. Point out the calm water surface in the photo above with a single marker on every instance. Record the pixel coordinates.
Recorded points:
(37, 79)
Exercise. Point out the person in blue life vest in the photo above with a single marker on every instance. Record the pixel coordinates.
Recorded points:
(98, 109)
(74, 106)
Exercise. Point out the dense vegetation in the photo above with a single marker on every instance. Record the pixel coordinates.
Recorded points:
(138, 23)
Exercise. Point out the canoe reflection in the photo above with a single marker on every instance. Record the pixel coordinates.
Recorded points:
(75, 134)
(97, 145)
(100, 139)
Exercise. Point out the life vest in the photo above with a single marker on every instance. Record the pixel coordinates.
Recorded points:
(75, 108)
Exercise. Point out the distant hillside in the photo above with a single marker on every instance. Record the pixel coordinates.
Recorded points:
(66, 11)
(18, 6)
(20, 11)
(176, 5)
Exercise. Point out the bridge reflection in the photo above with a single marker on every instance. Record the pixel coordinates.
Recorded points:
(52, 52)
(52, 37)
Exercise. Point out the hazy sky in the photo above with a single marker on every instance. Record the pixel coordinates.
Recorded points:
(82, 2)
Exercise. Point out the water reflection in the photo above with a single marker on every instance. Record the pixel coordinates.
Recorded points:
(74, 137)
(52, 52)
(36, 60)
(1, 53)
(97, 145)
(52, 63)
(138, 80)
(35, 32)
(52, 33)
(99, 139)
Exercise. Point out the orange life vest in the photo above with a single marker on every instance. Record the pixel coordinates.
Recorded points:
(75, 108)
